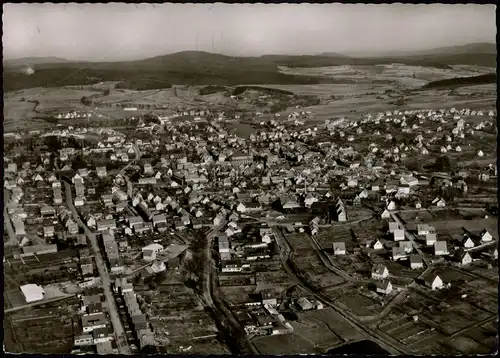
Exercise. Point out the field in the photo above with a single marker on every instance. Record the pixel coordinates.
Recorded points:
(284, 344)
(308, 263)
(315, 330)
(50, 329)
(399, 74)
(360, 89)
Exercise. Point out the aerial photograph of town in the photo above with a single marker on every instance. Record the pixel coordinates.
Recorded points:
(250, 179)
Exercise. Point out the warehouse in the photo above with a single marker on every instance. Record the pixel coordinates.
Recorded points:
(32, 292)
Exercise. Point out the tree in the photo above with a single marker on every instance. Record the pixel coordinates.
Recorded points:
(443, 164)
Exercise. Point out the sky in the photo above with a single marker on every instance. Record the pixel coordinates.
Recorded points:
(117, 31)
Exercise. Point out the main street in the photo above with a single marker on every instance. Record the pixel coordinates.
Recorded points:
(121, 341)
(13, 241)
(210, 297)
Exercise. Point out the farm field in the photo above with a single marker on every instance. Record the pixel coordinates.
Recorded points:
(284, 344)
(50, 329)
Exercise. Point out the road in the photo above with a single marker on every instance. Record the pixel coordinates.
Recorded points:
(39, 303)
(13, 241)
(103, 272)
(382, 339)
(210, 296)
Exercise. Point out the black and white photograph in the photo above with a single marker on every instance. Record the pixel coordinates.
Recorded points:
(250, 179)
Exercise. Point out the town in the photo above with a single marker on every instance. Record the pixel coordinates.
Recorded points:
(173, 234)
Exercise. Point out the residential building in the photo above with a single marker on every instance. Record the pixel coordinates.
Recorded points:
(416, 262)
(384, 287)
(339, 248)
(440, 248)
(380, 272)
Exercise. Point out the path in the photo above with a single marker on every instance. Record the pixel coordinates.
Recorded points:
(13, 241)
(38, 303)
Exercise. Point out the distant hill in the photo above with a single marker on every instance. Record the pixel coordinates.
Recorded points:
(463, 81)
(32, 61)
(475, 48)
(204, 68)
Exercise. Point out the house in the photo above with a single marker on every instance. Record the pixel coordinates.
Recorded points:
(48, 231)
(463, 258)
(241, 208)
(156, 248)
(406, 245)
(391, 205)
(19, 227)
(157, 219)
(424, 229)
(416, 262)
(468, 243)
(32, 292)
(103, 225)
(384, 287)
(430, 239)
(434, 282)
(339, 248)
(393, 226)
(79, 201)
(149, 255)
(385, 214)
(485, 236)
(398, 253)
(102, 335)
(101, 172)
(439, 202)
(84, 340)
(91, 322)
(440, 248)
(399, 234)
(304, 304)
(380, 272)
(378, 245)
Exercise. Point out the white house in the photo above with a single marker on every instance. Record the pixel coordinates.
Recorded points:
(378, 245)
(391, 206)
(384, 287)
(416, 262)
(398, 253)
(406, 245)
(380, 272)
(156, 248)
(434, 282)
(430, 239)
(468, 243)
(241, 208)
(393, 226)
(424, 229)
(399, 234)
(440, 248)
(339, 248)
(486, 236)
(464, 258)
(32, 292)
(385, 214)
(439, 202)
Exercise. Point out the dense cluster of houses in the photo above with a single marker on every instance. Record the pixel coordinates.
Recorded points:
(206, 176)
